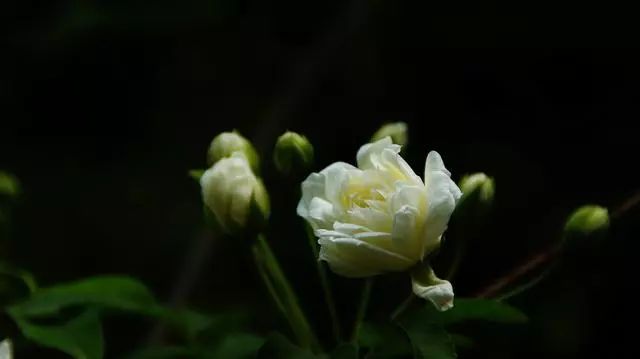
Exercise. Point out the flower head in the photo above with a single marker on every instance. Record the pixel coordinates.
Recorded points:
(380, 216)
(233, 193)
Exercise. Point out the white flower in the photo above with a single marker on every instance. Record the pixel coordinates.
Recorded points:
(380, 216)
(231, 191)
(6, 351)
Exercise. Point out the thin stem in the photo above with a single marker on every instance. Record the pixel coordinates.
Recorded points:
(402, 307)
(362, 308)
(533, 263)
(283, 294)
(324, 282)
(457, 259)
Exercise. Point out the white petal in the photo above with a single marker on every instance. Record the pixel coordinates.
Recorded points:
(351, 257)
(394, 164)
(6, 351)
(440, 294)
(404, 232)
(335, 176)
(321, 214)
(368, 156)
(442, 197)
(434, 163)
(312, 186)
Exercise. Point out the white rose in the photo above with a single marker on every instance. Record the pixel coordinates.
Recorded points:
(232, 192)
(380, 216)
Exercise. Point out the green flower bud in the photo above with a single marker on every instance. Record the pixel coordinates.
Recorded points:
(587, 220)
(226, 144)
(293, 153)
(478, 185)
(397, 131)
(9, 185)
(237, 199)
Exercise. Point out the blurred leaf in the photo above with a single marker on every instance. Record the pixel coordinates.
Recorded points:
(196, 174)
(15, 284)
(278, 346)
(187, 322)
(462, 341)
(9, 185)
(164, 353)
(384, 340)
(109, 291)
(481, 309)
(80, 337)
(345, 351)
(238, 346)
(429, 339)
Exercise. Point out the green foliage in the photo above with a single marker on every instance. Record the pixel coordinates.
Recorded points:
(467, 309)
(80, 337)
(345, 351)
(97, 295)
(384, 340)
(278, 346)
(429, 340)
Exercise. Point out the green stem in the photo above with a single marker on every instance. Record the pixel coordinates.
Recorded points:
(402, 307)
(362, 308)
(324, 282)
(457, 259)
(283, 294)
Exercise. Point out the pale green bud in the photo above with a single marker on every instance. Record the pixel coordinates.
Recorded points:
(479, 186)
(237, 199)
(397, 131)
(227, 143)
(587, 220)
(292, 153)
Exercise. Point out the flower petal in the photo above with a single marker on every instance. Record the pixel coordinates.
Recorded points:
(354, 258)
(427, 285)
(369, 155)
(442, 197)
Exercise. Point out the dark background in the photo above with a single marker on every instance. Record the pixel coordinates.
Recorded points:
(105, 106)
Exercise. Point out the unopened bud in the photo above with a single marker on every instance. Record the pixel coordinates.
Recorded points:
(293, 153)
(226, 144)
(397, 131)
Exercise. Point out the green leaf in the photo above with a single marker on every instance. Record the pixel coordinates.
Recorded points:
(384, 340)
(196, 174)
(428, 339)
(15, 284)
(9, 185)
(278, 346)
(122, 293)
(481, 309)
(345, 351)
(164, 353)
(238, 346)
(80, 337)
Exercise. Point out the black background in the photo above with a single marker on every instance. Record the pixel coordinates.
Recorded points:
(105, 106)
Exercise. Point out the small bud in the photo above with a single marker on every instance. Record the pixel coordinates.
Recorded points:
(480, 185)
(9, 185)
(227, 143)
(235, 196)
(397, 131)
(426, 285)
(293, 153)
(6, 349)
(587, 220)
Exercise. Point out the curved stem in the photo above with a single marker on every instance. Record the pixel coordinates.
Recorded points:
(402, 307)
(324, 282)
(362, 308)
(283, 294)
